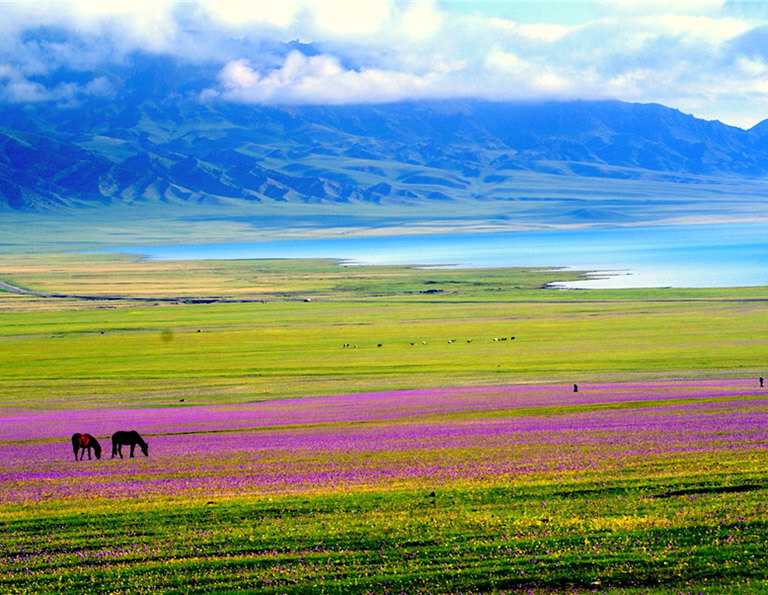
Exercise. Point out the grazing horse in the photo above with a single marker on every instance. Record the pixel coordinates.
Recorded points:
(131, 438)
(83, 442)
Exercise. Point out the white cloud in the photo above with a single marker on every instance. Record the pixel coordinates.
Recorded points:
(243, 13)
(17, 89)
(350, 17)
(630, 84)
(545, 32)
(690, 55)
(752, 68)
(317, 79)
(239, 75)
(421, 20)
(24, 91)
(705, 28)
(550, 83)
(507, 62)
(146, 24)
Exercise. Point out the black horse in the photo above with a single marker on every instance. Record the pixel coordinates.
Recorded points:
(83, 442)
(131, 438)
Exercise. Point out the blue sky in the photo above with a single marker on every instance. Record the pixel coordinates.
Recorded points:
(562, 12)
(708, 58)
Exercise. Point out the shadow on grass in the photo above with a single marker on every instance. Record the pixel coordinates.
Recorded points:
(734, 489)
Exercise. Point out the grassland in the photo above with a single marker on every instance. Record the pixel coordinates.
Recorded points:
(638, 487)
(434, 327)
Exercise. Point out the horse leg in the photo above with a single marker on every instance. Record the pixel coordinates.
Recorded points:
(133, 447)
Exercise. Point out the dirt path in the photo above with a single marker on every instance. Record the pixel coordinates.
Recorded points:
(5, 286)
(13, 289)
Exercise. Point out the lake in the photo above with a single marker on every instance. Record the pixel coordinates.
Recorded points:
(728, 255)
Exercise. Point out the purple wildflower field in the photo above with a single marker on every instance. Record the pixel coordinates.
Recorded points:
(420, 437)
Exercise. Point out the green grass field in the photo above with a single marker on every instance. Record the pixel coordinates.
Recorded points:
(63, 352)
(546, 538)
(683, 519)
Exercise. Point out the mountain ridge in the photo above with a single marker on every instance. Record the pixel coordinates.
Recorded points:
(154, 140)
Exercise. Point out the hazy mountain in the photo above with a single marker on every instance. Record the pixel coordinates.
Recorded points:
(155, 140)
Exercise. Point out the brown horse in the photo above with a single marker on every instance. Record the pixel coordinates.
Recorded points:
(131, 439)
(83, 442)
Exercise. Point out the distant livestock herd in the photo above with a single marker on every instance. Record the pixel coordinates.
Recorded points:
(354, 345)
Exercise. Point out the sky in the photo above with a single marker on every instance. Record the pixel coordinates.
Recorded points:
(708, 58)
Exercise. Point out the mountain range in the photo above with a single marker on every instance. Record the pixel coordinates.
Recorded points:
(156, 141)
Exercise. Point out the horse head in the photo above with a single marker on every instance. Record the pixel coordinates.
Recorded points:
(97, 448)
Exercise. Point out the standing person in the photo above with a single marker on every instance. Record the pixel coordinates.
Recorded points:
(761, 382)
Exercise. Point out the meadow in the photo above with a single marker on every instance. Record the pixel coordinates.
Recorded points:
(315, 427)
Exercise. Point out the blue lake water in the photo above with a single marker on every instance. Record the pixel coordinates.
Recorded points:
(731, 255)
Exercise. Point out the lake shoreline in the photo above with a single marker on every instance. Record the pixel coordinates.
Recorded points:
(715, 255)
